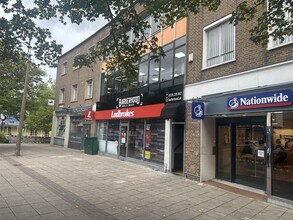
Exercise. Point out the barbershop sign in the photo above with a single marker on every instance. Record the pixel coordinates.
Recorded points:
(260, 100)
(130, 101)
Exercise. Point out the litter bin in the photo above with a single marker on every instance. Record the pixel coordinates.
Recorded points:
(91, 145)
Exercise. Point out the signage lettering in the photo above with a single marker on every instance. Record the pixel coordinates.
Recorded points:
(148, 111)
(173, 97)
(129, 101)
(121, 114)
(261, 100)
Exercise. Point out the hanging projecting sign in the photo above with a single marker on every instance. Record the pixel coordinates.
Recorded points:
(260, 100)
(197, 110)
(89, 115)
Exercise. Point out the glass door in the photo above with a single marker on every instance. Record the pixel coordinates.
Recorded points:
(249, 155)
(224, 152)
(282, 155)
(241, 150)
(123, 140)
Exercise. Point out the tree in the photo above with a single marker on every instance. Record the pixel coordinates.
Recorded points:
(40, 114)
(121, 56)
(12, 83)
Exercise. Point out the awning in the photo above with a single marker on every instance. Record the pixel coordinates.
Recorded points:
(173, 110)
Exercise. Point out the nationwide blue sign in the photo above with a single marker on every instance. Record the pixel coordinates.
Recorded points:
(197, 110)
(260, 100)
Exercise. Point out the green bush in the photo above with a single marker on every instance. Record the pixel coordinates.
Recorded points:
(3, 139)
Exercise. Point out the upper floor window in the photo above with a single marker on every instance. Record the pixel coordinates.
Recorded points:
(89, 89)
(287, 38)
(76, 67)
(62, 96)
(64, 68)
(179, 63)
(74, 93)
(219, 43)
(155, 26)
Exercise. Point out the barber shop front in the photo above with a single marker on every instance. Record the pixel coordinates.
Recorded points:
(252, 142)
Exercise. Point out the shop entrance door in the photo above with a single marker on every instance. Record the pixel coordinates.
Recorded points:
(123, 140)
(249, 155)
(241, 150)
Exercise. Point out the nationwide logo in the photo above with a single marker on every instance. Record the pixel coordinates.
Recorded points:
(122, 114)
(260, 100)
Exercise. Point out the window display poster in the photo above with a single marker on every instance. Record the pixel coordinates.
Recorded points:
(148, 135)
(147, 154)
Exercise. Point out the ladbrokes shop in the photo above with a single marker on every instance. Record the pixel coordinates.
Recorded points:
(142, 130)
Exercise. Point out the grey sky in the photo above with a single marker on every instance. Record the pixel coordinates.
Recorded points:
(69, 35)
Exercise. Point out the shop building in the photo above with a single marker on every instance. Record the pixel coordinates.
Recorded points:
(245, 92)
(146, 122)
(77, 90)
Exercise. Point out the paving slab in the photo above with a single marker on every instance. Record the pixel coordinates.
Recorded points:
(50, 182)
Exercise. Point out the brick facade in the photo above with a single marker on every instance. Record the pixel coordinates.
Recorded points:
(81, 75)
(248, 57)
(192, 146)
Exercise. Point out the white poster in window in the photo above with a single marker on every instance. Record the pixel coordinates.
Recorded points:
(261, 153)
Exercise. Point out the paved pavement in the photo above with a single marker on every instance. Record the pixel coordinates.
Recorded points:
(49, 182)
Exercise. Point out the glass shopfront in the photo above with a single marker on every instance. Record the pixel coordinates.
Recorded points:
(240, 156)
(282, 155)
(141, 139)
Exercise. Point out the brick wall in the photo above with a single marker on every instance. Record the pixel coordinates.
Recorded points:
(192, 146)
(81, 75)
(248, 55)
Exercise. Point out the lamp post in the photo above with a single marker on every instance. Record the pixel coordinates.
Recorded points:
(23, 104)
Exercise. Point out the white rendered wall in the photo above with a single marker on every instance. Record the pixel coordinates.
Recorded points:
(167, 150)
(262, 77)
(207, 142)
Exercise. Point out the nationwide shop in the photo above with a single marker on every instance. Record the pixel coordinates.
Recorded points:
(253, 139)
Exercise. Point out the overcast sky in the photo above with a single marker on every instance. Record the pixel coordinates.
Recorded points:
(69, 35)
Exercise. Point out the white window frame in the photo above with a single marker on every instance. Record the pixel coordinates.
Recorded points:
(89, 89)
(205, 42)
(74, 92)
(62, 96)
(64, 68)
(273, 44)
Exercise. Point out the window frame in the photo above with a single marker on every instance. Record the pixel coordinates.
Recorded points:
(64, 68)
(62, 96)
(205, 42)
(87, 95)
(272, 43)
(74, 93)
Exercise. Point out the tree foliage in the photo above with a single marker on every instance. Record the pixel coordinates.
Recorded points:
(18, 28)
(123, 15)
(40, 115)
(12, 82)
(272, 21)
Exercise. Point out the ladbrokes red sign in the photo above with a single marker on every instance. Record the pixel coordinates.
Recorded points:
(148, 111)
(89, 115)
